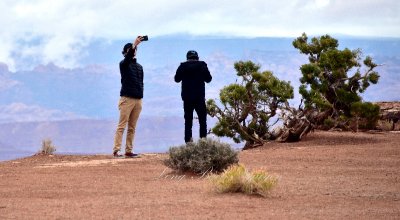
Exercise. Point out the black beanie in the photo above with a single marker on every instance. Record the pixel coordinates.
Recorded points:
(192, 55)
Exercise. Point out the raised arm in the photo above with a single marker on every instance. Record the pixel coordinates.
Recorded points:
(132, 51)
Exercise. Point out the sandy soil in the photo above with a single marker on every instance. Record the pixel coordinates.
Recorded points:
(329, 175)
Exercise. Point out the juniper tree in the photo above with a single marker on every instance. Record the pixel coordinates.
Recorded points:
(333, 79)
(248, 106)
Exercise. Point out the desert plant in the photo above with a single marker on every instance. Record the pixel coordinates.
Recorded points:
(365, 115)
(246, 109)
(238, 179)
(331, 84)
(205, 155)
(333, 79)
(47, 147)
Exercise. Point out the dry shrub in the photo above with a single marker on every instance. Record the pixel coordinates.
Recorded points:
(204, 156)
(386, 125)
(47, 147)
(238, 179)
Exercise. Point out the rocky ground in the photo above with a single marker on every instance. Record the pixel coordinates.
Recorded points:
(329, 175)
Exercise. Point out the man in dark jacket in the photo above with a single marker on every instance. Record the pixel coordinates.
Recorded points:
(130, 103)
(193, 73)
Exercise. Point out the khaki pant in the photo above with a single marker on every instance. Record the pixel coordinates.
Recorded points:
(129, 109)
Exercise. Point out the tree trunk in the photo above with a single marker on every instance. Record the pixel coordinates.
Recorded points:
(303, 122)
(295, 133)
(250, 145)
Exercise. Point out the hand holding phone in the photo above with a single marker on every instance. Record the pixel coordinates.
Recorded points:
(144, 38)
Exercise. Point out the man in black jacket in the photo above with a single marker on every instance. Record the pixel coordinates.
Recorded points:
(193, 73)
(130, 103)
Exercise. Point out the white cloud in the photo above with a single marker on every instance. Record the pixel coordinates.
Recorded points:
(6, 83)
(322, 3)
(58, 31)
(20, 112)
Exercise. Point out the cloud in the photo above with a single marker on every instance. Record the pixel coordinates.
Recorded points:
(5, 81)
(59, 31)
(20, 112)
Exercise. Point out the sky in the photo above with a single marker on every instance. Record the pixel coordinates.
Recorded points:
(50, 31)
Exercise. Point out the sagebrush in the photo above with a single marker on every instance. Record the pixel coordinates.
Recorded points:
(205, 155)
(48, 147)
(238, 179)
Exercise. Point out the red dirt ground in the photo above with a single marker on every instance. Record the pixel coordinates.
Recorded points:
(329, 175)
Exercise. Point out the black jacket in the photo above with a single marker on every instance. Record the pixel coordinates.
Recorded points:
(131, 77)
(193, 74)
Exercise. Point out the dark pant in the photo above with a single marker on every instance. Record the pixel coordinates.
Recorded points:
(200, 107)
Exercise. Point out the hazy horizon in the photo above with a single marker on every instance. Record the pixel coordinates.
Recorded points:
(77, 107)
(59, 59)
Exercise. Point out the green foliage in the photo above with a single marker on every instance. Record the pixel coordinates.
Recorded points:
(329, 122)
(238, 179)
(326, 83)
(205, 155)
(367, 113)
(248, 106)
(47, 147)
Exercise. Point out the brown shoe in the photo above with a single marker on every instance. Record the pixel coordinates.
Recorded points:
(116, 154)
(130, 154)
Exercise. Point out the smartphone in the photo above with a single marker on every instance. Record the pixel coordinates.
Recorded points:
(145, 38)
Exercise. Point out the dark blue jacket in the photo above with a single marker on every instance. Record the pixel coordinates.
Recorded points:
(131, 77)
(193, 74)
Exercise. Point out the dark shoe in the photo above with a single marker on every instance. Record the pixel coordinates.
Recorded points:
(116, 154)
(130, 154)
